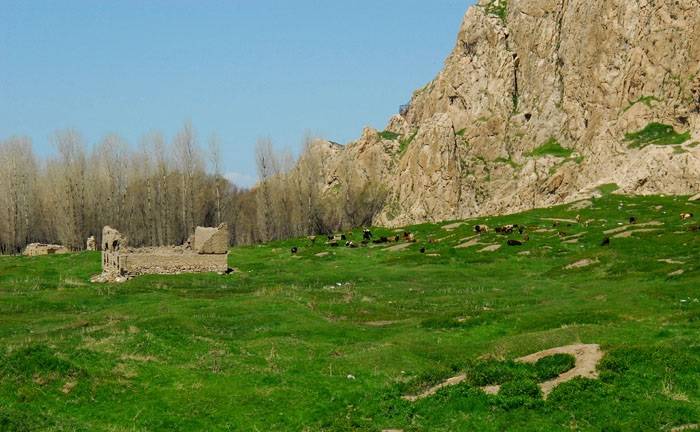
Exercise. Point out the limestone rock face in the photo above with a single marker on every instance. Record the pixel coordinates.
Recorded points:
(211, 240)
(576, 74)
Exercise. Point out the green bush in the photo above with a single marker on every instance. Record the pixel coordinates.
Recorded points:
(552, 366)
(656, 134)
(519, 393)
(551, 148)
(388, 135)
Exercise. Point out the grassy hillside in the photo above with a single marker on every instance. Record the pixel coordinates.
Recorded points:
(333, 342)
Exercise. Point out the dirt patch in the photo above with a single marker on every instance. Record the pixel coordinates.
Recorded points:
(581, 264)
(570, 221)
(453, 226)
(575, 236)
(677, 273)
(573, 241)
(670, 261)
(628, 234)
(322, 254)
(686, 427)
(626, 227)
(587, 359)
(468, 244)
(398, 247)
(491, 248)
(581, 205)
(380, 323)
(432, 390)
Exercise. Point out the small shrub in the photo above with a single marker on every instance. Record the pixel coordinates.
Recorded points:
(551, 148)
(656, 134)
(493, 372)
(405, 142)
(388, 135)
(519, 393)
(498, 8)
(552, 366)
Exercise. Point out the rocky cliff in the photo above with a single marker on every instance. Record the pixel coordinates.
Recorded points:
(541, 102)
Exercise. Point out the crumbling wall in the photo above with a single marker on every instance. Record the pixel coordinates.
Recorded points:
(37, 249)
(211, 240)
(206, 251)
(91, 244)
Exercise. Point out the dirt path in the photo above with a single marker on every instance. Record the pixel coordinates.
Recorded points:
(398, 247)
(491, 248)
(587, 359)
(453, 226)
(571, 221)
(626, 227)
(472, 242)
(628, 234)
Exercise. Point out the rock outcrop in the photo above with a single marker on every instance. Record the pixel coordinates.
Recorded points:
(540, 103)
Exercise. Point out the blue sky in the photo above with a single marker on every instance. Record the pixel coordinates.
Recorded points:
(240, 69)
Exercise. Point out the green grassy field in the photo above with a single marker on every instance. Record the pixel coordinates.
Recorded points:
(313, 343)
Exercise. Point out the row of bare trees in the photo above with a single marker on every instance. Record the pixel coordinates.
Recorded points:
(157, 192)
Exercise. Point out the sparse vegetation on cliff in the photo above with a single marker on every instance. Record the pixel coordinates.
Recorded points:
(656, 134)
(551, 148)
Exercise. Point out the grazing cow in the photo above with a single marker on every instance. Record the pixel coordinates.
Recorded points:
(295, 250)
(606, 241)
(422, 250)
(351, 245)
(686, 216)
(330, 237)
(406, 235)
(397, 238)
(343, 237)
(513, 242)
(633, 220)
(481, 229)
(366, 234)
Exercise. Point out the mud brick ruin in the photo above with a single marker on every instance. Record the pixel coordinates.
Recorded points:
(205, 251)
(36, 249)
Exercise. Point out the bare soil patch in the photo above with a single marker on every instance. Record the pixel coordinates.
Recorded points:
(398, 247)
(581, 264)
(453, 226)
(635, 226)
(491, 248)
(628, 234)
(587, 359)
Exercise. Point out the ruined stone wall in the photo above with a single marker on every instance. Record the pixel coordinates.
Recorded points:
(37, 249)
(148, 263)
(209, 255)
